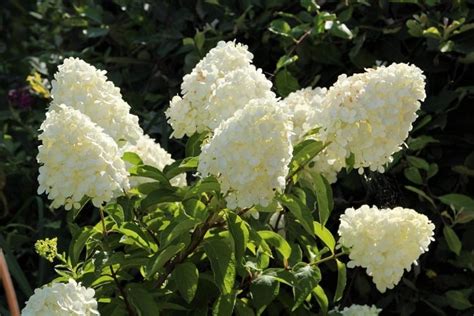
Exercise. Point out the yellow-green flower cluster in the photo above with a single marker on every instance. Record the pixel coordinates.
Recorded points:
(47, 248)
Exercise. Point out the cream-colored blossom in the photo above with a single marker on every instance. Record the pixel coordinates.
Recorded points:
(302, 105)
(152, 154)
(61, 299)
(78, 159)
(385, 241)
(369, 115)
(85, 88)
(360, 310)
(220, 84)
(249, 154)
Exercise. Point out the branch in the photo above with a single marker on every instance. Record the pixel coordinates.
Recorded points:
(114, 275)
(196, 239)
(122, 292)
(331, 257)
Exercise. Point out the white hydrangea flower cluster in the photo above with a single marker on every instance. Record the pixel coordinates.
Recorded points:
(220, 84)
(303, 105)
(385, 241)
(62, 299)
(360, 310)
(368, 115)
(152, 154)
(329, 162)
(85, 88)
(249, 154)
(78, 159)
(87, 129)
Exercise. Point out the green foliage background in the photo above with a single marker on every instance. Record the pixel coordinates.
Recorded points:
(147, 47)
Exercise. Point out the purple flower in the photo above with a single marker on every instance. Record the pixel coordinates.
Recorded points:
(20, 98)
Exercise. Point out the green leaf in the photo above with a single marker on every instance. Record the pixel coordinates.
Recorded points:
(186, 276)
(132, 158)
(340, 30)
(341, 280)
(183, 227)
(286, 60)
(149, 172)
(459, 202)
(116, 307)
(452, 240)
(222, 258)
(78, 243)
(421, 142)
(277, 241)
(432, 171)
(307, 278)
(322, 299)
(346, 15)
(325, 235)
(141, 300)
(94, 12)
(181, 166)
(303, 153)
(193, 145)
(280, 27)
(199, 40)
(420, 194)
(350, 162)
(459, 299)
(413, 174)
(196, 209)
(463, 170)
(160, 196)
(209, 184)
(115, 211)
(224, 305)
(285, 83)
(323, 196)
(432, 32)
(134, 235)
(418, 163)
(158, 260)
(242, 308)
(309, 5)
(93, 32)
(464, 217)
(240, 234)
(264, 290)
(414, 28)
(148, 187)
(282, 275)
(165, 306)
(299, 210)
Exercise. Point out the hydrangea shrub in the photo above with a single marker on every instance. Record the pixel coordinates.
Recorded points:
(243, 224)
